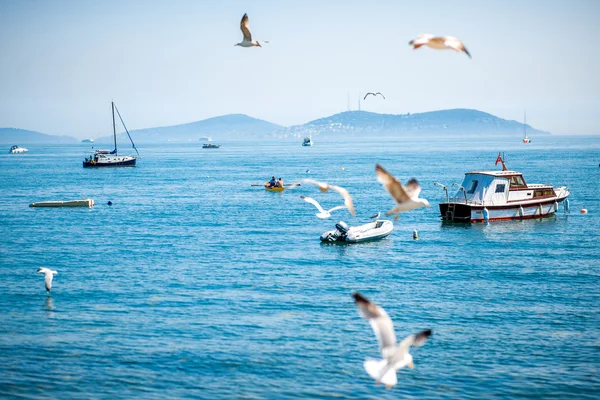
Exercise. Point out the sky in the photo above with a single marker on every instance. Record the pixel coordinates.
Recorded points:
(172, 62)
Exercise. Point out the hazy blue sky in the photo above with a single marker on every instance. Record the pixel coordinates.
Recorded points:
(170, 62)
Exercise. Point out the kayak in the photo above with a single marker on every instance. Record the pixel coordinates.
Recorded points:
(356, 234)
(274, 189)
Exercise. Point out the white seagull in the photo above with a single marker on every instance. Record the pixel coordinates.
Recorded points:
(247, 41)
(323, 214)
(324, 187)
(407, 196)
(439, 43)
(49, 274)
(376, 215)
(395, 356)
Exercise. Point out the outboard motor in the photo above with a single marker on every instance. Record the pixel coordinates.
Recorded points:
(342, 227)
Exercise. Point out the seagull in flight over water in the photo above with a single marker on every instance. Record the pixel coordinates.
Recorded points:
(324, 187)
(439, 43)
(49, 274)
(247, 41)
(323, 214)
(374, 94)
(395, 356)
(407, 197)
(376, 215)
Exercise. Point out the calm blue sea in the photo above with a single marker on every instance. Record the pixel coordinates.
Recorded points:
(194, 284)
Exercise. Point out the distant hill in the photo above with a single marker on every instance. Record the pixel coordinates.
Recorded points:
(21, 136)
(443, 122)
(232, 126)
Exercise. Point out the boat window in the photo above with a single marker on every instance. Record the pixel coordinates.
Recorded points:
(473, 187)
(500, 188)
(517, 180)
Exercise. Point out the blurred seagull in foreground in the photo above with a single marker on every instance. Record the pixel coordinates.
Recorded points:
(324, 187)
(322, 212)
(247, 42)
(439, 43)
(407, 196)
(49, 275)
(395, 356)
(374, 94)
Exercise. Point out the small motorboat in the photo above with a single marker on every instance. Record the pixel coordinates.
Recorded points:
(356, 234)
(68, 203)
(17, 150)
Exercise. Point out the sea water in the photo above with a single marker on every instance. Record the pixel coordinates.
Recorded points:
(196, 284)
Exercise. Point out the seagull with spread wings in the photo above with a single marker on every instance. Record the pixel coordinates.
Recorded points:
(247, 42)
(406, 197)
(374, 94)
(323, 214)
(395, 356)
(324, 187)
(439, 43)
(49, 274)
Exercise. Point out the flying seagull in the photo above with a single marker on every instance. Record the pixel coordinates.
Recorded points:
(374, 94)
(247, 42)
(407, 196)
(439, 43)
(49, 274)
(324, 187)
(322, 212)
(395, 356)
(376, 215)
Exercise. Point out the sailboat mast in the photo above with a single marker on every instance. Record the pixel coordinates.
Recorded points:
(525, 123)
(112, 103)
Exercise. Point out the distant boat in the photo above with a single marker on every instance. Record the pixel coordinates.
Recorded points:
(87, 141)
(105, 158)
(307, 141)
(210, 146)
(525, 139)
(17, 150)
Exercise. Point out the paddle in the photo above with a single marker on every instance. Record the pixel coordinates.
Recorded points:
(262, 184)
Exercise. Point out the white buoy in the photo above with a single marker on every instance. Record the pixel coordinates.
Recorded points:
(555, 206)
(415, 234)
(486, 214)
(540, 209)
(566, 205)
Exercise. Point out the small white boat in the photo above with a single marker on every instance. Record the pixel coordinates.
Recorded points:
(526, 138)
(68, 203)
(17, 150)
(307, 141)
(355, 234)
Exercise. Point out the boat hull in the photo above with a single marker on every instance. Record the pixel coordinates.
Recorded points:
(274, 189)
(461, 212)
(118, 163)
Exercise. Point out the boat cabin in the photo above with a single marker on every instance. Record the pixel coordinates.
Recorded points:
(499, 187)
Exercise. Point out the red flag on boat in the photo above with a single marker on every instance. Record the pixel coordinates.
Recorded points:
(499, 159)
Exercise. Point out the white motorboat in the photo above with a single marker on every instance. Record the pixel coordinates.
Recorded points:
(17, 150)
(307, 141)
(355, 234)
(501, 195)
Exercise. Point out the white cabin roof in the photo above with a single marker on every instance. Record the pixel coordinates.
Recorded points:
(495, 173)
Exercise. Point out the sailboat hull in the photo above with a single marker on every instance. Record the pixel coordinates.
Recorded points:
(127, 161)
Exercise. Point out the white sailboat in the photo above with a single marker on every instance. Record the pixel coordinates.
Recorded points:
(525, 138)
(106, 158)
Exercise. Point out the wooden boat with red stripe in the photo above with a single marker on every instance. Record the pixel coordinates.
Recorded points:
(501, 195)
